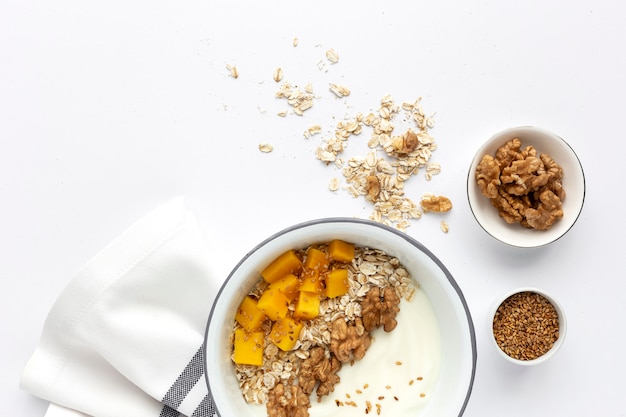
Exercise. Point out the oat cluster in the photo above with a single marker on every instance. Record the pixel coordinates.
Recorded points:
(340, 334)
(525, 187)
(380, 176)
(526, 325)
(299, 99)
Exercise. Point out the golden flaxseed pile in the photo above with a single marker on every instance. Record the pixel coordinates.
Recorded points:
(526, 325)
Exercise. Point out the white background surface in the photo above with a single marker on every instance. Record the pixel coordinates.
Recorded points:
(108, 109)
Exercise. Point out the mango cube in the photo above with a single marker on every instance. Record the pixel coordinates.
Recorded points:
(249, 315)
(274, 304)
(285, 333)
(248, 347)
(287, 285)
(337, 283)
(315, 264)
(316, 260)
(341, 251)
(307, 306)
(312, 284)
(287, 263)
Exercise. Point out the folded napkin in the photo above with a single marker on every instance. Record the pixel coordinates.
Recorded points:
(125, 336)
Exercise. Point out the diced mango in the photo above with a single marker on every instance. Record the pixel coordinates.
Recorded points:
(249, 315)
(274, 304)
(287, 263)
(336, 283)
(287, 285)
(341, 251)
(315, 264)
(316, 260)
(312, 283)
(248, 347)
(307, 306)
(285, 333)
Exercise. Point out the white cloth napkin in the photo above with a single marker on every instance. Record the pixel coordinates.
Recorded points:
(125, 336)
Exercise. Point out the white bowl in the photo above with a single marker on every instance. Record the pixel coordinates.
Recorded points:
(458, 343)
(562, 327)
(573, 184)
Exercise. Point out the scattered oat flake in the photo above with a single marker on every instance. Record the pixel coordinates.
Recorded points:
(444, 228)
(398, 363)
(332, 56)
(266, 147)
(339, 90)
(295, 41)
(312, 130)
(278, 74)
(333, 184)
(234, 72)
(432, 168)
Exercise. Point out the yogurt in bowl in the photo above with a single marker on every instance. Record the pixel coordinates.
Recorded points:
(425, 366)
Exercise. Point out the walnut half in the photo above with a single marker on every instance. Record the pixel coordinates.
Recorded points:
(349, 341)
(287, 402)
(319, 368)
(435, 203)
(380, 309)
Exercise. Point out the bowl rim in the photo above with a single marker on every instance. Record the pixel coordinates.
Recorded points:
(471, 182)
(366, 222)
(562, 325)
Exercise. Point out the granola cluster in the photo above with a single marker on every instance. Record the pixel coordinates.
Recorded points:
(526, 187)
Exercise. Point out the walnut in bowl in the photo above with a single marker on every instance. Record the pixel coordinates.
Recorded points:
(526, 187)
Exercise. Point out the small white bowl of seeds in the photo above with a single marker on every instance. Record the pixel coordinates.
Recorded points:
(528, 326)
